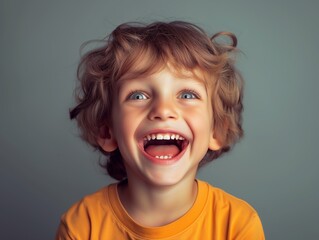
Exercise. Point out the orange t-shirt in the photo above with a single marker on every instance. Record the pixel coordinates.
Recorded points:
(214, 215)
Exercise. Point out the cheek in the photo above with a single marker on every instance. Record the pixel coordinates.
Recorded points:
(125, 124)
(201, 116)
(201, 124)
(119, 124)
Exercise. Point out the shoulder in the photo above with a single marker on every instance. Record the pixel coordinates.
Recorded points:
(90, 203)
(227, 210)
(222, 199)
(77, 221)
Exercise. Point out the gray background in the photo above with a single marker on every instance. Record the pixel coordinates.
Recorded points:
(45, 167)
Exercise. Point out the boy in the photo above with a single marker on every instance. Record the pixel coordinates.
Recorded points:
(159, 101)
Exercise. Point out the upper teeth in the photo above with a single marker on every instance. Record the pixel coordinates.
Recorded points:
(163, 136)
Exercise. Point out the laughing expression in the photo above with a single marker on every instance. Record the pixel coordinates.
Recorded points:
(162, 125)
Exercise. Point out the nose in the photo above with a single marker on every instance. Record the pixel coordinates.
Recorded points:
(163, 109)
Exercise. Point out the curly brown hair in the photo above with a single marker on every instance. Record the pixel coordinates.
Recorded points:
(134, 50)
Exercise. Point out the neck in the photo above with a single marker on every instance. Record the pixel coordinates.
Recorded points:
(157, 205)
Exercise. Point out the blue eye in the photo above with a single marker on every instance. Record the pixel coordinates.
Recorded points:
(189, 95)
(137, 96)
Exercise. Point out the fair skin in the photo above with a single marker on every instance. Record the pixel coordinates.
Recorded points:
(161, 173)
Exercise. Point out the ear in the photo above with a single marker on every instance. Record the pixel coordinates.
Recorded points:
(214, 144)
(106, 139)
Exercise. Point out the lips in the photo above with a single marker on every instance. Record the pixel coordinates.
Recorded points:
(164, 147)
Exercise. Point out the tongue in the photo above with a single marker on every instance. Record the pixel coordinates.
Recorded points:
(162, 150)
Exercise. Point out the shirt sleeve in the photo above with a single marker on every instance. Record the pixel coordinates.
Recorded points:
(75, 223)
(252, 231)
(63, 233)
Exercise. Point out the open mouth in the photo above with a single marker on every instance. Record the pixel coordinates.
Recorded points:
(164, 145)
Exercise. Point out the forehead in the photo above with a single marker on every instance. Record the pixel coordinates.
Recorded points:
(196, 74)
(179, 72)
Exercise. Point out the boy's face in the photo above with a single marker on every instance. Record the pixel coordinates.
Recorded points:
(162, 125)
